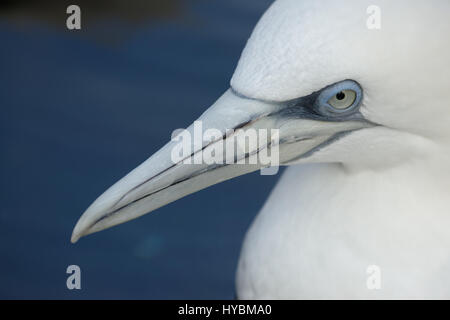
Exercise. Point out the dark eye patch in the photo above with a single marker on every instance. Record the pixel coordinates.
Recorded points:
(316, 106)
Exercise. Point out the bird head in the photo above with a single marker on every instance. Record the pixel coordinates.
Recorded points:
(331, 87)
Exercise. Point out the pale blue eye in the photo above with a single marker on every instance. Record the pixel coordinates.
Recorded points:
(343, 99)
(337, 102)
(339, 99)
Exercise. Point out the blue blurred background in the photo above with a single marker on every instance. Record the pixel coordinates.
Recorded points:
(80, 109)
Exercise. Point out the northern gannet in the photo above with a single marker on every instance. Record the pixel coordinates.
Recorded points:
(364, 120)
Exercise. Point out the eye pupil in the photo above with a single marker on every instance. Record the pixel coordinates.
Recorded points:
(340, 95)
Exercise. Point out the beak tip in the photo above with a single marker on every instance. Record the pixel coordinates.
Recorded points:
(77, 232)
(75, 236)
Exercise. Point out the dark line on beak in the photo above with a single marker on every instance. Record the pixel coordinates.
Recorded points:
(193, 175)
(212, 167)
(224, 136)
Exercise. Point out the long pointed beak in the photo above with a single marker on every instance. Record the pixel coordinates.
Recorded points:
(169, 174)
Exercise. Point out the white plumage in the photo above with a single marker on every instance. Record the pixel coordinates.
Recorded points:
(377, 196)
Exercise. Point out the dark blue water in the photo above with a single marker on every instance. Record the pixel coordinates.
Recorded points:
(78, 113)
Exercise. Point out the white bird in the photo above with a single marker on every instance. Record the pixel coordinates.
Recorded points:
(364, 118)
